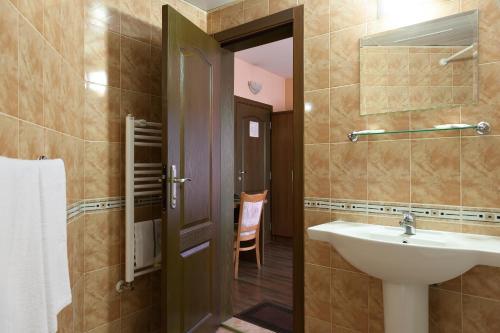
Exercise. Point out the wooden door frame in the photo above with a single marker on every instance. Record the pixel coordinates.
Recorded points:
(285, 24)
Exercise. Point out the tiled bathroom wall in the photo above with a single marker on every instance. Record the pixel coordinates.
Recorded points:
(446, 171)
(71, 70)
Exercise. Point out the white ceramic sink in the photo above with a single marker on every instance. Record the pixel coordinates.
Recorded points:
(407, 264)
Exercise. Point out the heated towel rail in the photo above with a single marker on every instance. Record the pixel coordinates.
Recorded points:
(141, 180)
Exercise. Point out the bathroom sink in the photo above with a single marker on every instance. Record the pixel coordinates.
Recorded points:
(407, 264)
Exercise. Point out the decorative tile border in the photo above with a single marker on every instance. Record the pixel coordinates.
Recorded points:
(92, 205)
(456, 213)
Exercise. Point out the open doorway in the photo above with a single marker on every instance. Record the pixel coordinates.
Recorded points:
(198, 191)
(263, 163)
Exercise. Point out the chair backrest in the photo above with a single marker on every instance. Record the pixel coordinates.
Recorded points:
(251, 207)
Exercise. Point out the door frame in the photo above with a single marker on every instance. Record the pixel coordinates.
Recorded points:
(284, 24)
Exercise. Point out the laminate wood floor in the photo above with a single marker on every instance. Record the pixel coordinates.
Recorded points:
(272, 283)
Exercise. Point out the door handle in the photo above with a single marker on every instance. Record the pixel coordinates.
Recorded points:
(180, 180)
(173, 180)
(242, 172)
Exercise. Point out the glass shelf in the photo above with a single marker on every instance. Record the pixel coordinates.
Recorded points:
(481, 128)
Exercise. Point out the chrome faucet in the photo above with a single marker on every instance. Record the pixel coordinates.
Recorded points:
(409, 223)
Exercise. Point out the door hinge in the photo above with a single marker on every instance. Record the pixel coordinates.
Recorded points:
(270, 126)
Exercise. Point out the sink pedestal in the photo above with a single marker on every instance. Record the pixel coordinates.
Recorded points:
(406, 308)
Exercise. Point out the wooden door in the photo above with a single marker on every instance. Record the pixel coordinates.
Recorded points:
(191, 217)
(252, 151)
(252, 146)
(282, 173)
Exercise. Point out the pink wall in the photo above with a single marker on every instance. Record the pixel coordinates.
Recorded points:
(273, 86)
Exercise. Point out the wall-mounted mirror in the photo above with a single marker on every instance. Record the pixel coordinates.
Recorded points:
(422, 66)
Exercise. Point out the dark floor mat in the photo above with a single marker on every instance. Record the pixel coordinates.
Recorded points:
(268, 315)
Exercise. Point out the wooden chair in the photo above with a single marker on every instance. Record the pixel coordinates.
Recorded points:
(251, 211)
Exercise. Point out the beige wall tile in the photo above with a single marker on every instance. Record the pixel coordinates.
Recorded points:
(480, 315)
(344, 113)
(481, 171)
(316, 252)
(139, 298)
(435, 171)
(489, 25)
(102, 169)
(135, 65)
(445, 313)
(72, 44)
(9, 136)
(65, 320)
(31, 141)
(316, 117)
(52, 23)
(316, 66)
(314, 325)
(347, 13)
(104, 13)
(73, 102)
(78, 306)
(101, 301)
(489, 80)
(33, 11)
(9, 39)
(102, 56)
(135, 19)
(102, 239)
(316, 17)
(376, 306)
(254, 9)
(30, 73)
(113, 327)
(317, 291)
(102, 113)
(350, 300)
(137, 322)
(232, 16)
(279, 5)
(316, 161)
(52, 88)
(348, 166)
(389, 171)
(344, 56)
(482, 281)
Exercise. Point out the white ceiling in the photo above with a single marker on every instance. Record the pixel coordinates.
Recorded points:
(209, 4)
(276, 57)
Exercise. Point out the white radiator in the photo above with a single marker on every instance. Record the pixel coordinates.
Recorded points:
(141, 180)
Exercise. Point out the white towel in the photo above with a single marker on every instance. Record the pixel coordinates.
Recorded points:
(23, 305)
(144, 244)
(53, 206)
(34, 279)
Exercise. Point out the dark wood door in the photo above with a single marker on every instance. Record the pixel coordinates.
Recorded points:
(191, 216)
(282, 173)
(252, 151)
(252, 146)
